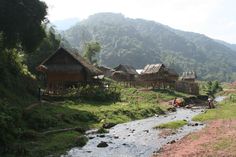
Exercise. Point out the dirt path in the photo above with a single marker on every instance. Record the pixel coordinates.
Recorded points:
(217, 139)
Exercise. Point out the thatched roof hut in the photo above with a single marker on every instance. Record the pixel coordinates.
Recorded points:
(64, 68)
(153, 75)
(127, 69)
(153, 72)
(107, 72)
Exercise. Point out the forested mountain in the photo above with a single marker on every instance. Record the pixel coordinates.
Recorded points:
(232, 46)
(139, 42)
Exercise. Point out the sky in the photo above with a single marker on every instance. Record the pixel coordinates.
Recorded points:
(214, 18)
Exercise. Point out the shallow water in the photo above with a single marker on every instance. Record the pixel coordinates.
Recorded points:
(136, 138)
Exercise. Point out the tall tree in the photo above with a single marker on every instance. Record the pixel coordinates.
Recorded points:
(48, 46)
(21, 23)
(91, 51)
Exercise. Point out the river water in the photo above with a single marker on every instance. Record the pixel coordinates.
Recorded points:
(136, 138)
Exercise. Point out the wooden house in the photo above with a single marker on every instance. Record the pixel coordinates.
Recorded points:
(64, 69)
(128, 70)
(107, 72)
(187, 83)
(187, 87)
(154, 75)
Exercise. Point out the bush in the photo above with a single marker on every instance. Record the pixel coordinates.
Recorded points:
(81, 141)
(102, 131)
(83, 116)
(9, 121)
(39, 121)
(97, 93)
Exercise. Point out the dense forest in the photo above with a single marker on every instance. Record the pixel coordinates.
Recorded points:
(139, 42)
(25, 39)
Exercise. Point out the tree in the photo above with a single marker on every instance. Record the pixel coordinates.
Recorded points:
(48, 46)
(91, 50)
(211, 88)
(21, 23)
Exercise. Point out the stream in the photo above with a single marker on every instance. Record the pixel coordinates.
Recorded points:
(137, 138)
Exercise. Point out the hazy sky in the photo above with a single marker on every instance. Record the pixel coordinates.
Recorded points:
(215, 18)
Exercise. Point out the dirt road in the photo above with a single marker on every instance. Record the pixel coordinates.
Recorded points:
(217, 139)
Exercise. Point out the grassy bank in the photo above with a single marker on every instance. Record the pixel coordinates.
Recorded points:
(172, 125)
(224, 110)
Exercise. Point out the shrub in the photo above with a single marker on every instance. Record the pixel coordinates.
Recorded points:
(9, 121)
(102, 131)
(97, 93)
(39, 120)
(81, 141)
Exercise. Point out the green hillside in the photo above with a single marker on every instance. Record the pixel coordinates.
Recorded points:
(139, 42)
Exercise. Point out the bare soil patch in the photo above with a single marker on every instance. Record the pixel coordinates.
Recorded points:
(217, 139)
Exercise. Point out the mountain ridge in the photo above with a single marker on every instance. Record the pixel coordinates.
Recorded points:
(139, 42)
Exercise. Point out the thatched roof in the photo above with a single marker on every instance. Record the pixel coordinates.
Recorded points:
(105, 68)
(152, 68)
(73, 67)
(127, 69)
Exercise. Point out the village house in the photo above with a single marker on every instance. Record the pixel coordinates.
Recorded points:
(154, 75)
(107, 72)
(65, 69)
(187, 83)
(124, 73)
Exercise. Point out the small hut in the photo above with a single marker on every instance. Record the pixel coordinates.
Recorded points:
(154, 75)
(64, 69)
(128, 70)
(187, 83)
(188, 76)
(187, 87)
(107, 72)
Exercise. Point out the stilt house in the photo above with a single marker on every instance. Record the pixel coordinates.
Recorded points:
(64, 69)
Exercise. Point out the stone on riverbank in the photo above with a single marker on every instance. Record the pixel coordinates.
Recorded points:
(102, 144)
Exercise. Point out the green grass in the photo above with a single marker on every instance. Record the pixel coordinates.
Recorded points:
(55, 144)
(166, 95)
(222, 111)
(172, 125)
(119, 112)
(134, 95)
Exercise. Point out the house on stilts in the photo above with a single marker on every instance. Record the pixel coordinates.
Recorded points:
(65, 69)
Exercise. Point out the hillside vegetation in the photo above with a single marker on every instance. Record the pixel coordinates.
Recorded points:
(139, 42)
